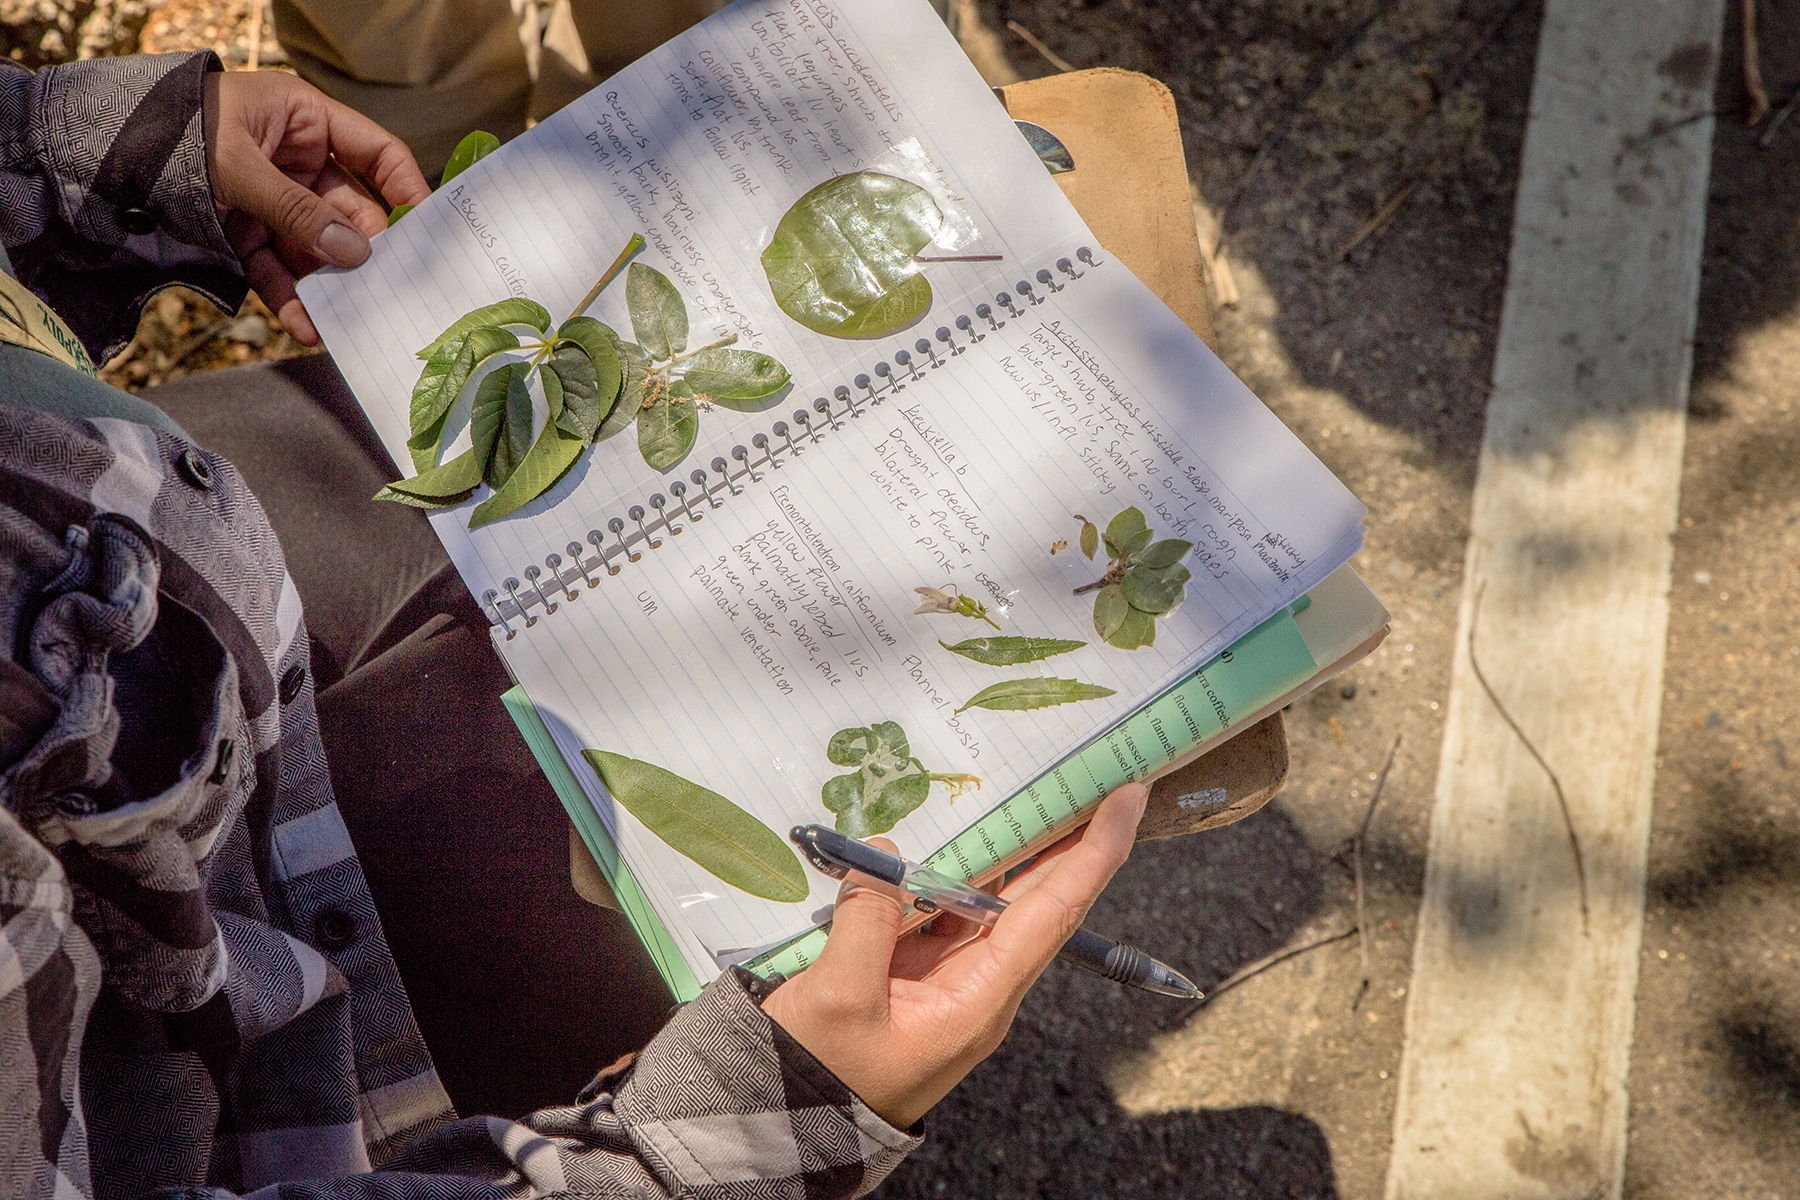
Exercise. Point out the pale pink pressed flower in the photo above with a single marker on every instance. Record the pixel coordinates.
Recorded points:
(939, 601)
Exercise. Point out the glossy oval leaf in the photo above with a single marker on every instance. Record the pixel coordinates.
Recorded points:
(726, 374)
(516, 311)
(841, 259)
(706, 827)
(1018, 695)
(500, 423)
(1110, 607)
(1165, 553)
(668, 426)
(442, 381)
(1007, 651)
(471, 150)
(1137, 629)
(658, 314)
(573, 372)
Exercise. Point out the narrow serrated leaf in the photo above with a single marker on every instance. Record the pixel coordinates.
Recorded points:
(442, 381)
(472, 149)
(1165, 553)
(500, 423)
(516, 311)
(1090, 537)
(551, 455)
(1018, 695)
(573, 370)
(658, 314)
(726, 374)
(456, 478)
(706, 827)
(667, 428)
(1006, 651)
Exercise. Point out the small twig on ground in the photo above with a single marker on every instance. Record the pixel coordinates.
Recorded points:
(1356, 852)
(1767, 137)
(1454, 75)
(1031, 40)
(1561, 800)
(1659, 128)
(1180, 1015)
(1753, 83)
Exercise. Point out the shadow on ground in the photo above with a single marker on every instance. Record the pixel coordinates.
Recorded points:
(1038, 1120)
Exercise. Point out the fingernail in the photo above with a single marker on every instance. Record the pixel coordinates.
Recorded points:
(1141, 797)
(342, 245)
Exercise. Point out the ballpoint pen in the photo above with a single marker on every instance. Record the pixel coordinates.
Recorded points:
(836, 855)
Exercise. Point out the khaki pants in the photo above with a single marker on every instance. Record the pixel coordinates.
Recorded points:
(432, 71)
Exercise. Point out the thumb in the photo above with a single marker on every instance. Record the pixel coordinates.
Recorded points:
(295, 214)
(865, 924)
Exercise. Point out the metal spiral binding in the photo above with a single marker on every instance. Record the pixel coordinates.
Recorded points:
(578, 566)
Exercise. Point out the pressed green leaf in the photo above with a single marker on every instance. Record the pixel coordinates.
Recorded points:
(398, 211)
(704, 826)
(430, 503)
(726, 374)
(442, 380)
(634, 367)
(666, 429)
(1090, 537)
(1005, 651)
(1133, 545)
(500, 423)
(888, 782)
(573, 371)
(1017, 695)
(1151, 591)
(1137, 629)
(841, 260)
(602, 346)
(516, 311)
(551, 455)
(1110, 607)
(1126, 525)
(471, 150)
(658, 314)
(448, 483)
(1165, 553)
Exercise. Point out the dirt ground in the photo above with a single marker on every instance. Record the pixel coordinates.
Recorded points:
(1362, 156)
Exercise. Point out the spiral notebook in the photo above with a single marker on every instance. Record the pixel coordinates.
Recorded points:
(723, 619)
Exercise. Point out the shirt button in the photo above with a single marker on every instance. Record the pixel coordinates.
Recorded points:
(334, 929)
(292, 680)
(194, 468)
(138, 221)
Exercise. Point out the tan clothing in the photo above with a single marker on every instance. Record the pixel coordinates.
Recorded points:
(434, 70)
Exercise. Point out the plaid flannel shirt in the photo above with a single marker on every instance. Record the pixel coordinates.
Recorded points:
(194, 989)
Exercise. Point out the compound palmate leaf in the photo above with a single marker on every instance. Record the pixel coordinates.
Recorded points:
(703, 825)
(841, 260)
(1016, 695)
(516, 311)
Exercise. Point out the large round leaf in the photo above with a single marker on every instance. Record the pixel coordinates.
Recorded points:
(841, 261)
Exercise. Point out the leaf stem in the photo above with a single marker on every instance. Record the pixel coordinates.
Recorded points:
(724, 341)
(631, 247)
(925, 258)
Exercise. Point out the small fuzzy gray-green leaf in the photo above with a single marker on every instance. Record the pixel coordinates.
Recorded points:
(1006, 651)
(1133, 544)
(706, 827)
(726, 374)
(1090, 537)
(841, 259)
(1148, 591)
(573, 371)
(1110, 607)
(666, 430)
(516, 311)
(1127, 524)
(1165, 553)
(1018, 695)
(658, 314)
(1137, 629)
(472, 149)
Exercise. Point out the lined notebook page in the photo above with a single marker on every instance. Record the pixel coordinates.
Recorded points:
(734, 650)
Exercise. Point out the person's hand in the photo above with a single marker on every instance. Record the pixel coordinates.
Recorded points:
(901, 1025)
(277, 149)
